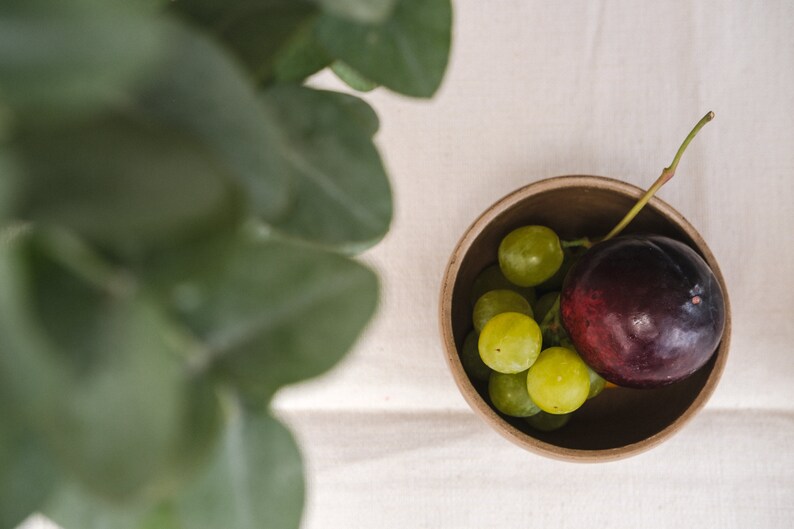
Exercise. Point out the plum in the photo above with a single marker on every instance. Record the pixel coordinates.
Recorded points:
(643, 311)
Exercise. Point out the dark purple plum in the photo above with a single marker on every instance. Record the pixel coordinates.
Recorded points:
(643, 311)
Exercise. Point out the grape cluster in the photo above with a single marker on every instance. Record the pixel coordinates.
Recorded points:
(518, 346)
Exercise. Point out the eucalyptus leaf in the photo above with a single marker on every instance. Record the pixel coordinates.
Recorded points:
(408, 52)
(92, 364)
(201, 425)
(66, 58)
(124, 183)
(278, 313)
(72, 507)
(162, 516)
(27, 472)
(10, 178)
(6, 118)
(342, 195)
(254, 481)
(254, 31)
(30, 379)
(117, 426)
(352, 78)
(369, 11)
(201, 90)
(301, 56)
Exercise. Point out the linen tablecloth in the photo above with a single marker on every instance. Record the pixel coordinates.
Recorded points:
(538, 89)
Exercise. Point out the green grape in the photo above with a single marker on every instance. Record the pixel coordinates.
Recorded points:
(509, 394)
(548, 422)
(530, 255)
(492, 278)
(569, 258)
(558, 381)
(543, 304)
(470, 358)
(496, 302)
(596, 383)
(510, 342)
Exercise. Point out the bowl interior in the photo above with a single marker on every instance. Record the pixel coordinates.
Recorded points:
(620, 421)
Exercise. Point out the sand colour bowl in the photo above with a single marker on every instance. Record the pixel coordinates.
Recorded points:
(620, 422)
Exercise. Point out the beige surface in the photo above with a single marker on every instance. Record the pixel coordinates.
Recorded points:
(611, 88)
(538, 89)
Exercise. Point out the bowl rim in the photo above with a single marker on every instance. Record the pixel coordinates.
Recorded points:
(484, 410)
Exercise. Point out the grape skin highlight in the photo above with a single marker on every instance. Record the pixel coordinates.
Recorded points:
(530, 255)
(558, 381)
(510, 342)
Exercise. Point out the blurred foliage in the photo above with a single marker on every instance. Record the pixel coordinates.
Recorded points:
(178, 217)
(352, 78)
(407, 52)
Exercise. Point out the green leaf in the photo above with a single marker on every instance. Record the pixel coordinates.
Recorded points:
(202, 91)
(72, 507)
(301, 56)
(201, 425)
(163, 516)
(368, 11)
(27, 472)
(9, 180)
(93, 365)
(6, 118)
(352, 78)
(123, 183)
(254, 31)
(118, 423)
(255, 480)
(64, 58)
(408, 52)
(28, 376)
(278, 313)
(342, 195)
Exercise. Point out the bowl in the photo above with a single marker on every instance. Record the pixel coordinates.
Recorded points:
(620, 422)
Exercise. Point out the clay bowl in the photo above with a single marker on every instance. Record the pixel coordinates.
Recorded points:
(620, 422)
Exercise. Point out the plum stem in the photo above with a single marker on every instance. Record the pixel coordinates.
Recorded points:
(667, 174)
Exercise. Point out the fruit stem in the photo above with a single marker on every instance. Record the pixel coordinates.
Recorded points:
(553, 315)
(551, 326)
(583, 242)
(666, 175)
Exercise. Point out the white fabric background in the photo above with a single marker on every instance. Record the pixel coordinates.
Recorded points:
(537, 89)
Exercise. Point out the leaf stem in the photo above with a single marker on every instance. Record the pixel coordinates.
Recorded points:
(74, 255)
(666, 175)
